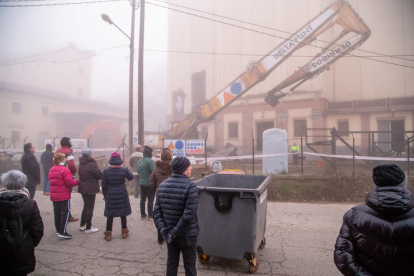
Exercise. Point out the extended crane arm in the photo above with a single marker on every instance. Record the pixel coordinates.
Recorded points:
(257, 72)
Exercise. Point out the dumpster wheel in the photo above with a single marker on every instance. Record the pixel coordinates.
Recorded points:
(253, 265)
(203, 259)
(263, 243)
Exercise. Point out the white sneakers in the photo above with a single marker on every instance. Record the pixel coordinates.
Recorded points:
(82, 228)
(92, 230)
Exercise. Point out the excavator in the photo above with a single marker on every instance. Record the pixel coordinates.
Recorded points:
(339, 13)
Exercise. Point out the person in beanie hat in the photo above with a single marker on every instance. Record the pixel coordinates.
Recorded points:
(145, 167)
(133, 164)
(175, 216)
(47, 161)
(65, 148)
(161, 172)
(31, 168)
(89, 176)
(377, 237)
(116, 195)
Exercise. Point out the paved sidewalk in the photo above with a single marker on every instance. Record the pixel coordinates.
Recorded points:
(300, 240)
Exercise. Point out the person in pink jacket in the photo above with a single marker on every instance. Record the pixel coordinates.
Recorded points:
(61, 181)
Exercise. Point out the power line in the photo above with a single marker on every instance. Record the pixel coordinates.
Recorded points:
(68, 61)
(233, 25)
(54, 4)
(164, 51)
(261, 26)
(233, 54)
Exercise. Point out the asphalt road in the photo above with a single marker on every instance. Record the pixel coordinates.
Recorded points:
(300, 241)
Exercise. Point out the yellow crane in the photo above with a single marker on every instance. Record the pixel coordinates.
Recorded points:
(340, 12)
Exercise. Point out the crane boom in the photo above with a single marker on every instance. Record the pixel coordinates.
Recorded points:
(258, 71)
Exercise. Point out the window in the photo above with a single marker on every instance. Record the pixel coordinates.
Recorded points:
(343, 128)
(15, 135)
(233, 130)
(80, 70)
(45, 110)
(80, 92)
(298, 127)
(16, 107)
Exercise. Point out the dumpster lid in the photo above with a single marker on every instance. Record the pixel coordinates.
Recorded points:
(201, 184)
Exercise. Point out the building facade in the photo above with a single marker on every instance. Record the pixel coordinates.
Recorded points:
(41, 99)
(363, 92)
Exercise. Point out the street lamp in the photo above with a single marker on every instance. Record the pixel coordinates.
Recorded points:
(107, 19)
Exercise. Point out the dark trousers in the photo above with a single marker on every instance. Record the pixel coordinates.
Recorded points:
(110, 221)
(296, 159)
(32, 191)
(61, 210)
(150, 193)
(46, 183)
(187, 245)
(87, 212)
(136, 181)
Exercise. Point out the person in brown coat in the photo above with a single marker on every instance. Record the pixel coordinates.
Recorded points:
(89, 174)
(161, 172)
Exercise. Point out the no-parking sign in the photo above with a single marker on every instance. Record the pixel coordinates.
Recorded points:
(194, 147)
(177, 147)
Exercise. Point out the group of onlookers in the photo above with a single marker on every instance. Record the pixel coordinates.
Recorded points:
(376, 238)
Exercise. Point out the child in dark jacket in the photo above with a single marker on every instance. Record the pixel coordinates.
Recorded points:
(61, 182)
(116, 195)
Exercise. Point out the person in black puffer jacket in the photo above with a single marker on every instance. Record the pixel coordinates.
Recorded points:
(116, 195)
(21, 226)
(161, 172)
(377, 238)
(175, 216)
(89, 176)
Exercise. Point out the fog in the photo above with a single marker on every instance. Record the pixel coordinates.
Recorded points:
(27, 31)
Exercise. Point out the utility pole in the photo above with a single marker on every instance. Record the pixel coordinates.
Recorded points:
(131, 81)
(107, 19)
(141, 75)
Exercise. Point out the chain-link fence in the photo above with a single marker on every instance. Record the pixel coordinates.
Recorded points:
(316, 153)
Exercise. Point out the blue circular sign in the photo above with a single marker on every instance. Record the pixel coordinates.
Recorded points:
(236, 88)
(179, 145)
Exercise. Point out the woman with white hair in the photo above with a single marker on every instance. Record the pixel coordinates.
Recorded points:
(21, 226)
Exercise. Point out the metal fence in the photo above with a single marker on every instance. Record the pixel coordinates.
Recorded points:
(321, 154)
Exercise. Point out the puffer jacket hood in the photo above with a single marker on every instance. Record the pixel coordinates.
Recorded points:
(163, 167)
(12, 204)
(376, 238)
(390, 200)
(161, 172)
(83, 160)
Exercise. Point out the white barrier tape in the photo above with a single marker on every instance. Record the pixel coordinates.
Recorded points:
(358, 157)
(212, 159)
(223, 158)
(75, 150)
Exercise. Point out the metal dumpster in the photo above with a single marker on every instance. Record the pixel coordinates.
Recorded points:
(232, 217)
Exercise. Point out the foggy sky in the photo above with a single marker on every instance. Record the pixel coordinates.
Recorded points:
(31, 30)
